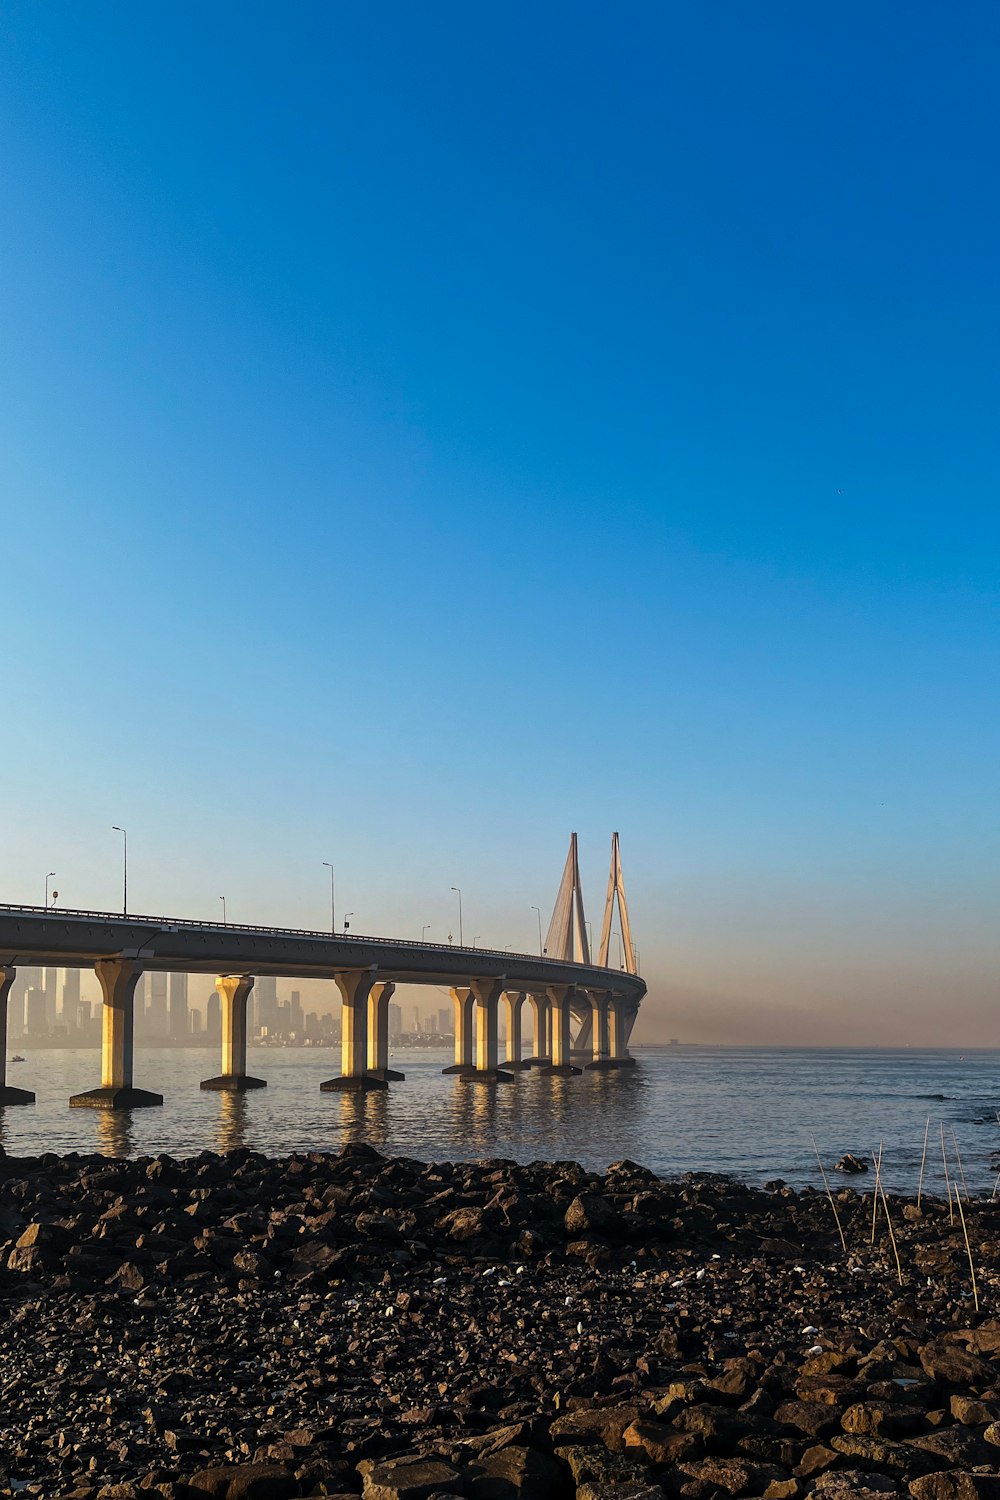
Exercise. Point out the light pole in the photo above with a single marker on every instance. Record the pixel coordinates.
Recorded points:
(116, 829)
(346, 922)
(333, 924)
(590, 937)
(223, 900)
(475, 940)
(424, 931)
(619, 937)
(539, 916)
(48, 877)
(458, 889)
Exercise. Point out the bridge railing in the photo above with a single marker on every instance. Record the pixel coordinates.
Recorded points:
(165, 924)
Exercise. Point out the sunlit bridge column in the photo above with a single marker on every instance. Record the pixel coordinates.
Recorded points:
(378, 1033)
(561, 1004)
(8, 1095)
(541, 1020)
(118, 978)
(234, 993)
(355, 986)
(464, 1003)
(513, 1003)
(618, 1033)
(600, 1002)
(486, 993)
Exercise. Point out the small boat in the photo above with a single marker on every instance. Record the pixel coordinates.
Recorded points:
(17, 1058)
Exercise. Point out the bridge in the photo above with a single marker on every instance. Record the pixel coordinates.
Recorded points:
(582, 1009)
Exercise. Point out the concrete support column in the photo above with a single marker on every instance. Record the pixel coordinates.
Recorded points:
(513, 1003)
(8, 1095)
(542, 1024)
(234, 993)
(378, 1032)
(561, 1006)
(618, 1029)
(600, 1001)
(464, 1003)
(486, 993)
(355, 986)
(118, 978)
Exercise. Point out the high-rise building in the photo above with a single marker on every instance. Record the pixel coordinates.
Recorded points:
(50, 989)
(416, 1019)
(395, 1019)
(178, 1007)
(70, 997)
(213, 1018)
(296, 1021)
(36, 1014)
(196, 1027)
(156, 1008)
(266, 994)
(446, 1023)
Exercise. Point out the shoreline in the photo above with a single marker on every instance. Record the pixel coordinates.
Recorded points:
(320, 1323)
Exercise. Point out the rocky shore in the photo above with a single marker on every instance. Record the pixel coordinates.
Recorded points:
(353, 1325)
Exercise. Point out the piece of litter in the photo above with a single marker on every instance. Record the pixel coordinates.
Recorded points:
(579, 1327)
(439, 1281)
(816, 1349)
(810, 1329)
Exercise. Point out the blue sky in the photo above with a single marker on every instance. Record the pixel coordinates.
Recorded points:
(428, 430)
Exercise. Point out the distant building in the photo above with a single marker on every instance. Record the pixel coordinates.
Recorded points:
(395, 1020)
(71, 998)
(266, 996)
(296, 1020)
(35, 1014)
(446, 1024)
(179, 1026)
(196, 1027)
(156, 1008)
(51, 991)
(213, 1018)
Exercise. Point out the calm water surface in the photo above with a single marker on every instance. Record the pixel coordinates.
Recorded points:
(744, 1111)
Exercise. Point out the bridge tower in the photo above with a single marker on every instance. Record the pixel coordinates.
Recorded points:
(567, 934)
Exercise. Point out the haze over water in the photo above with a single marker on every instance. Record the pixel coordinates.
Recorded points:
(744, 1111)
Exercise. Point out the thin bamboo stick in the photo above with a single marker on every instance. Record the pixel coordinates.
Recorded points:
(875, 1189)
(923, 1160)
(960, 1167)
(829, 1194)
(968, 1251)
(947, 1179)
(879, 1189)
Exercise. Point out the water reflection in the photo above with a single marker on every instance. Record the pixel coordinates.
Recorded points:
(363, 1116)
(231, 1127)
(115, 1132)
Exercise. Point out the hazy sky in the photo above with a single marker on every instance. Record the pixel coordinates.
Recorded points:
(429, 429)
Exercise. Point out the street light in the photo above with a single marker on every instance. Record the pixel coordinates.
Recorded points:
(619, 937)
(116, 829)
(590, 937)
(346, 922)
(475, 940)
(48, 877)
(223, 900)
(458, 889)
(424, 931)
(539, 916)
(333, 925)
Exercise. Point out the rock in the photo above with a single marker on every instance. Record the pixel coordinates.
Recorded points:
(950, 1365)
(516, 1473)
(245, 1482)
(636, 1491)
(851, 1164)
(590, 1214)
(600, 1424)
(463, 1224)
(955, 1484)
(595, 1465)
(881, 1454)
(410, 1479)
(972, 1412)
(736, 1476)
(880, 1420)
(956, 1446)
(853, 1484)
(661, 1444)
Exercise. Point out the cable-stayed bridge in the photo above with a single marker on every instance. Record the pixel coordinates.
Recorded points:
(582, 1009)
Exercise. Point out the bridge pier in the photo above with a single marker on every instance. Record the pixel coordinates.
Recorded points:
(118, 978)
(601, 1002)
(234, 992)
(618, 1029)
(513, 1003)
(542, 1022)
(561, 1009)
(355, 985)
(8, 1095)
(378, 1034)
(464, 1003)
(486, 993)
